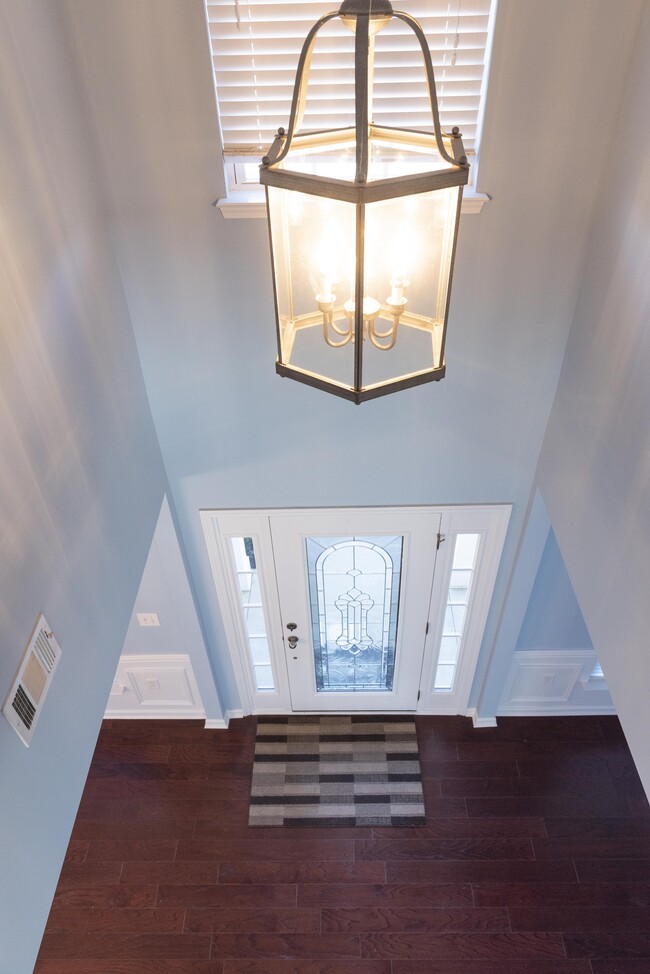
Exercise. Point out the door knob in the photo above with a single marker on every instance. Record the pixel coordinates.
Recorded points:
(291, 626)
(292, 640)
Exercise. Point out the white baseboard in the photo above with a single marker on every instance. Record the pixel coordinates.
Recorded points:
(233, 715)
(481, 721)
(216, 723)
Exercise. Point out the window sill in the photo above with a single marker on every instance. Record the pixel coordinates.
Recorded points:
(245, 205)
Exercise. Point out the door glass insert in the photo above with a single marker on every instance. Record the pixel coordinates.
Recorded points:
(354, 586)
(250, 600)
(458, 597)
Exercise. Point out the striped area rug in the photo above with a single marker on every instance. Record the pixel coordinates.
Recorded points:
(361, 770)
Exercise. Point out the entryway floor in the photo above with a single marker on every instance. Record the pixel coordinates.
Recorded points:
(535, 860)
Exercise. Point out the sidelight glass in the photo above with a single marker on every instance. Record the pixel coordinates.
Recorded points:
(460, 584)
(250, 600)
(354, 589)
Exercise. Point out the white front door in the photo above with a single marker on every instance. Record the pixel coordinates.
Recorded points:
(354, 591)
(355, 609)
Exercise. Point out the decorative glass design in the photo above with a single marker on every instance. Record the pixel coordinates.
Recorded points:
(354, 586)
(458, 597)
(250, 598)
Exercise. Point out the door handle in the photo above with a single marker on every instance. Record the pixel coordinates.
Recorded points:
(291, 626)
(292, 640)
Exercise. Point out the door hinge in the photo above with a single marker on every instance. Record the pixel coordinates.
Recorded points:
(426, 631)
(419, 694)
(440, 539)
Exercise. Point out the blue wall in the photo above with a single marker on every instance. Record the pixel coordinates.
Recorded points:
(81, 477)
(553, 618)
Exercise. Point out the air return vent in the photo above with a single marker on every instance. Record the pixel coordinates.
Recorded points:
(25, 699)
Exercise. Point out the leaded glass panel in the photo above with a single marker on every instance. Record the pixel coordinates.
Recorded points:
(354, 588)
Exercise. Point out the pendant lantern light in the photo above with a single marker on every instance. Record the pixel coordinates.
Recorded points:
(363, 224)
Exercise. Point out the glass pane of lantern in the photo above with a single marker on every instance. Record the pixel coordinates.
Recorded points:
(408, 250)
(314, 255)
(391, 158)
(354, 586)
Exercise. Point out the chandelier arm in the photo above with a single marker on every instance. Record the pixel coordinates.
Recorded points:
(300, 88)
(428, 67)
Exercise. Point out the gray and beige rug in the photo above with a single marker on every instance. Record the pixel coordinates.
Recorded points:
(318, 771)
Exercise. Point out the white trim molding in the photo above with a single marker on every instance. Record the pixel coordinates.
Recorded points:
(545, 682)
(250, 204)
(154, 686)
(216, 723)
(481, 721)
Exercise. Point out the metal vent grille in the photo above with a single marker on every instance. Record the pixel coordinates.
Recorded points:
(25, 699)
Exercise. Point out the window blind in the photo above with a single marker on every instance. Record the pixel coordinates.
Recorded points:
(256, 45)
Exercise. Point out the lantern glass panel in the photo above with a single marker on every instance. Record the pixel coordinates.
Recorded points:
(407, 256)
(313, 242)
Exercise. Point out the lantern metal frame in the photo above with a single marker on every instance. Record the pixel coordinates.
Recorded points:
(365, 17)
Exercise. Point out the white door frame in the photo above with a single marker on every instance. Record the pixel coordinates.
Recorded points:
(220, 526)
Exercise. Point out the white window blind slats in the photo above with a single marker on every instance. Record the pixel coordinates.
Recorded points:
(256, 47)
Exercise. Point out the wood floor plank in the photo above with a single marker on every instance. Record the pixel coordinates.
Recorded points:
(417, 919)
(118, 919)
(98, 897)
(119, 828)
(275, 850)
(141, 849)
(256, 919)
(140, 965)
(223, 897)
(637, 847)
(597, 787)
(382, 894)
(302, 872)
(468, 828)
(308, 945)
(613, 870)
(460, 946)
(579, 918)
(541, 895)
(170, 873)
(596, 828)
(111, 808)
(621, 966)
(128, 753)
(234, 812)
(481, 872)
(90, 873)
(590, 806)
(626, 944)
(468, 769)
(503, 965)
(302, 966)
(66, 943)
(423, 849)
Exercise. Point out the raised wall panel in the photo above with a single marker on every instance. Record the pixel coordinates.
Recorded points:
(155, 686)
(553, 682)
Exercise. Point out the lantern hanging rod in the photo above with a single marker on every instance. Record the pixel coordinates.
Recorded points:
(363, 12)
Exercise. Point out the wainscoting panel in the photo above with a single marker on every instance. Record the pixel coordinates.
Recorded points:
(155, 686)
(554, 682)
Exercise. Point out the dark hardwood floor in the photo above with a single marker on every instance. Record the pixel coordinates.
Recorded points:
(535, 860)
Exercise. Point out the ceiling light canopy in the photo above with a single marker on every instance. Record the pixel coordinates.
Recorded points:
(363, 224)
